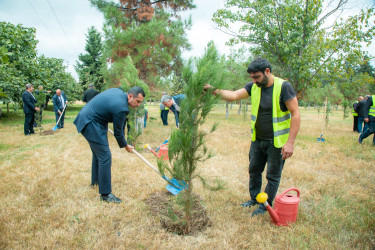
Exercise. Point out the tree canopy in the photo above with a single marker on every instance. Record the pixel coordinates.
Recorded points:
(296, 38)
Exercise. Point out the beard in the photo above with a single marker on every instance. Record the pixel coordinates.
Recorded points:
(264, 82)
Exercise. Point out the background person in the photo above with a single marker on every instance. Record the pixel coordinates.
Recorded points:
(164, 114)
(29, 109)
(89, 93)
(41, 97)
(174, 104)
(59, 103)
(355, 114)
(92, 121)
(369, 120)
(275, 121)
(361, 110)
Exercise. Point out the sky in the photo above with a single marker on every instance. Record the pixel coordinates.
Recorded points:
(62, 25)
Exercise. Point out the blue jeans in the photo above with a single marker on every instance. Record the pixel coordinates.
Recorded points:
(360, 123)
(368, 130)
(262, 152)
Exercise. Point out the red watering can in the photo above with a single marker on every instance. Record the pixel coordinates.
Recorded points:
(163, 152)
(285, 210)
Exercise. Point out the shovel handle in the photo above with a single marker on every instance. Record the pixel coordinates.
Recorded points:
(146, 161)
(141, 157)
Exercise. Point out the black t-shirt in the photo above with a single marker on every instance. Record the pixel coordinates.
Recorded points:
(263, 125)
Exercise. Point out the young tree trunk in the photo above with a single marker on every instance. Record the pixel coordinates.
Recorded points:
(239, 109)
(227, 111)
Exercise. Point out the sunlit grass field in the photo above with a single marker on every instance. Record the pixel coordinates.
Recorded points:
(46, 200)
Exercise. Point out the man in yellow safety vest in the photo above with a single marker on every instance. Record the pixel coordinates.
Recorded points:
(275, 121)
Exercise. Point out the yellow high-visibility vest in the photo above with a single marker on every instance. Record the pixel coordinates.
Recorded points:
(353, 111)
(371, 110)
(280, 119)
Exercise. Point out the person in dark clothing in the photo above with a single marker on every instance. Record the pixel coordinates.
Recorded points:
(355, 114)
(92, 121)
(275, 121)
(369, 119)
(29, 109)
(361, 110)
(89, 93)
(41, 97)
(164, 114)
(174, 104)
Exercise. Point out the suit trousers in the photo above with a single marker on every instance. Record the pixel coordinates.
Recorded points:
(29, 123)
(101, 167)
(262, 152)
(164, 116)
(61, 122)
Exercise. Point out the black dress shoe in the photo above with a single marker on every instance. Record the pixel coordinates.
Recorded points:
(110, 198)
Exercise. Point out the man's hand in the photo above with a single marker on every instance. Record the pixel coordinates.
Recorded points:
(209, 87)
(59, 112)
(287, 150)
(129, 148)
(37, 109)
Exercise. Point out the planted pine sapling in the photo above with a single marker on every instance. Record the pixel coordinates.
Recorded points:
(187, 144)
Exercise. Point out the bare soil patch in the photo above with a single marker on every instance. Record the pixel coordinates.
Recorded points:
(165, 205)
(48, 132)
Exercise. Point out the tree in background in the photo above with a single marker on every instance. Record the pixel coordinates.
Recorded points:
(294, 37)
(186, 145)
(124, 75)
(149, 32)
(236, 69)
(90, 65)
(21, 68)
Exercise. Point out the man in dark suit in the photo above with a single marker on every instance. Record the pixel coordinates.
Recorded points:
(29, 109)
(89, 93)
(59, 103)
(174, 104)
(92, 121)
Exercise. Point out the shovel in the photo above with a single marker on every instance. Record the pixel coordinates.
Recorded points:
(165, 142)
(55, 127)
(174, 186)
(324, 117)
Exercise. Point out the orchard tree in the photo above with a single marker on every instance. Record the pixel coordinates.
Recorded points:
(19, 46)
(149, 31)
(90, 65)
(296, 38)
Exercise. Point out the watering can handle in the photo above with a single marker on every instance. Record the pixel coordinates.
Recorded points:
(290, 189)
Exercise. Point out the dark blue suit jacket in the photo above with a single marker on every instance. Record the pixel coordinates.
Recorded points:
(57, 105)
(108, 106)
(28, 103)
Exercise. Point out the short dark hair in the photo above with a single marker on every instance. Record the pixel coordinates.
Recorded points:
(259, 64)
(135, 91)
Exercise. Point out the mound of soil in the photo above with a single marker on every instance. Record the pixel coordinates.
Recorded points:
(171, 214)
(48, 132)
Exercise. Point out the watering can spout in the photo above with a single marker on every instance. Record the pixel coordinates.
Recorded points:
(262, 198)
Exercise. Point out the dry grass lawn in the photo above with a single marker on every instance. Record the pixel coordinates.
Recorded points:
(46, 200)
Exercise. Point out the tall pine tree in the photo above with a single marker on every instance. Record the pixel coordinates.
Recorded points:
(89, 68)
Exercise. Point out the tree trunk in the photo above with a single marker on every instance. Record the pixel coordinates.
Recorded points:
(239, 109)
(188, 205)
(227, 111)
